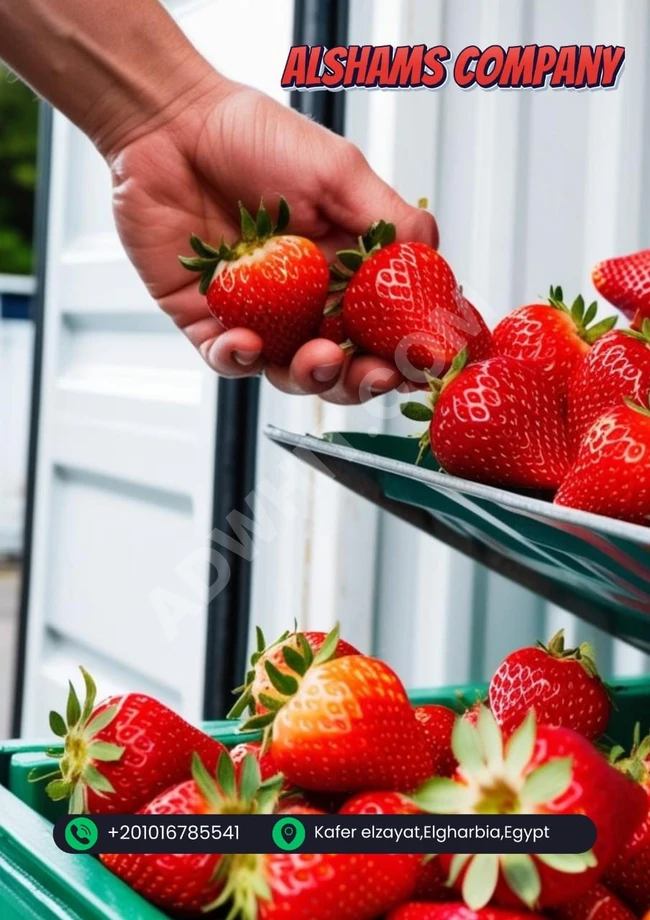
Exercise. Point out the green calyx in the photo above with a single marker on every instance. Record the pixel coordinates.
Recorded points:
(582, 315)
(642, 334)
(77, 771)
(297, 661)
(637, 407)
(245, 885)
(255, 231)
(496, 780)
(377, 236)
(421, 412)
(636, 764)
(584, 653)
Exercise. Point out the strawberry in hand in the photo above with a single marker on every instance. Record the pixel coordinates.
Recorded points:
(611, 472)
(269, 281)
(618, 365)
(540, 770)
(562, 686)
(625, 282)
(403, 303)
(121, 753)
(553, 336)
(189, 883)
(342, 724)
(498, 422)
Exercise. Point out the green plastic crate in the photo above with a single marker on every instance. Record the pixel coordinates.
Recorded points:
(594, 566)
(39, 882)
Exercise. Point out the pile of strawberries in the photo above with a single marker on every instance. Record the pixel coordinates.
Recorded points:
(339, 735)
(549, 402)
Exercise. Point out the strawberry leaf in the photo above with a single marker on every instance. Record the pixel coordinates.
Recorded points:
(490, 737)
(271, 702)
(260, 641)
(350, 259)
(570, 863)
(104, 751)
(305, 649)
(257, 722)
(442, 796)
(96, 780)
(100, 722)
(294, 660)
(73, 709)
(416, 411)
(226, 776)
(521, 746)
(522, 877)
(329, 646)
(250, 779)
(78, 804)
(548, 782)
(481, 880)
(248, 225)
(57, 724)
(605, 325)
(590, 315)
(241, 705)
(58, 790)
(284, 216)
(192, 264)
(283, 683)
(91, 695)
(204, 250)
(466, 746)
(458, 863)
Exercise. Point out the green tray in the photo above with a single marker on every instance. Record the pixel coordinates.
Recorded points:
(39, 882)
(596, 567)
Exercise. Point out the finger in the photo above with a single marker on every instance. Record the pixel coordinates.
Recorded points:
(315, 368)
(365, 377)
(358, 197)
(236, 353)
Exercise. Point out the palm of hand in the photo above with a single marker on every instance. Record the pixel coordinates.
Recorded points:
(188, 176)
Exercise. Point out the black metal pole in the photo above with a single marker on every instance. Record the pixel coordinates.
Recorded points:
(40, 244)
(316, 22)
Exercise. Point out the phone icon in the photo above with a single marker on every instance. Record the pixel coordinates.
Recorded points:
(81, 833)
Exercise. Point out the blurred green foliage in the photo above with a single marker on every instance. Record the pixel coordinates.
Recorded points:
(18, 140)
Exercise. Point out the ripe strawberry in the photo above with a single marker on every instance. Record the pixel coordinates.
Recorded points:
(430, 879)
(625, 283)
(290, 655)
(618, 365)
(496, 421)
(438, 723)
(457, 911)
(553, 336)
(541, 770)
(403, 304)
(597, 904)
(562, 686)
(268, 281)
(629, 874)
(610, 473)
(240, 752)
(188, 883)
(120, 754)
(331, 328)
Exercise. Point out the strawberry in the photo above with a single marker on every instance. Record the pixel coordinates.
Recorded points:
(541, 770)
(430, 878)
(610, 473)
(403, 303)
(331, 328)
(303, 886)
(597, 904)
(187, 883)
(553, 336)
(240, 752)
(342, 724)
(120, 754)
(618, 365)
(438, 723)
(456, 911)
(269, 281)
(562, 686)
(629, 874)
(625, 283)
(496, 421)
(291, 653)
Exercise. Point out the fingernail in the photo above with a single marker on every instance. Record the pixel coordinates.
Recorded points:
(326, 373)
(246, 358)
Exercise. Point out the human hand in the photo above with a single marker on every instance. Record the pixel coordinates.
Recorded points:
(232, 143)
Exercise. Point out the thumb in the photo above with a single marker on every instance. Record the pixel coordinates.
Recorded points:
(358, 198)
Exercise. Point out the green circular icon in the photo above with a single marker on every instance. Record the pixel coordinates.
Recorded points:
(289, 833)
(81, 833)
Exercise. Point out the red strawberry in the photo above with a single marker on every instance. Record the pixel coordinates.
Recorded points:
(271, 282)
(551, 335)
(186, 883)
(610, 475)
(120, 754)
(541, 770)
(264, 759)
(496, 421)
(430, 879)
(331, 328)
(562, 686)
(438, 722)
(618, 365)
(457, 911)
(289, 656)
(403, 304)
(597, 904)
(629, 874)
(625, 282)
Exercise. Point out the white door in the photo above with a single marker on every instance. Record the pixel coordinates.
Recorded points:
(123, 499)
